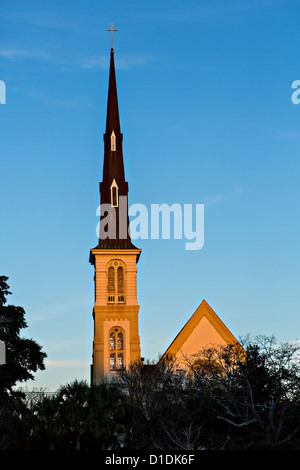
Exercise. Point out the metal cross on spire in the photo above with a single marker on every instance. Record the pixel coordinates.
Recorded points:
(112, 32)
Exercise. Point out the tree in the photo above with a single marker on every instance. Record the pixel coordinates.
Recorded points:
(106, 415)
(240, 396)
(162, 408)
(46, 422)
(23, 356)
(85, 416)
(254, 388)
(73, 401)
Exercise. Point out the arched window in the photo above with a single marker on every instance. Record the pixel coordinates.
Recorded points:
(117, 350)
(113, 142)
(114, 197)
(114, 194)
(116, 289)
(120, 276)
(111, 284)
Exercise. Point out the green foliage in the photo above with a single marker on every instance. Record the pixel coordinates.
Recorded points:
(23, 356)
(4, 292)
(79, 416)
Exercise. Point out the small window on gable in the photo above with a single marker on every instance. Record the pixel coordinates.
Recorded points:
(113, 142)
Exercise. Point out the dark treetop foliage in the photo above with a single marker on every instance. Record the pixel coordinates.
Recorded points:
(23, 356)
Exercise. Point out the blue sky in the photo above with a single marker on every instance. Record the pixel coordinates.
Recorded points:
(206, 112)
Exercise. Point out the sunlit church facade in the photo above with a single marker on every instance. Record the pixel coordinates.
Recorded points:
(116, 341)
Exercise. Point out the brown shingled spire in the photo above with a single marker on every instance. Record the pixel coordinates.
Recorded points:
(112, 116)
(113, 166)
(114, 185)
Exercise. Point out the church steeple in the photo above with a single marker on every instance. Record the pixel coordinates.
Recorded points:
(114, 221)
(116, 334)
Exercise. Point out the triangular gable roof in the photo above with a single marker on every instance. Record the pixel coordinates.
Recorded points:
(203, 329)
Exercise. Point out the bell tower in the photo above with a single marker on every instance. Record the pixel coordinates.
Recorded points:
(116, 336)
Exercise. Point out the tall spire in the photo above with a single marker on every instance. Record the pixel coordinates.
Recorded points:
(112, 116)
(114, 220)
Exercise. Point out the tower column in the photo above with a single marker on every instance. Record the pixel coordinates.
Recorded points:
(116, 311)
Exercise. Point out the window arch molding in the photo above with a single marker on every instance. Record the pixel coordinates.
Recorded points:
(116, 282)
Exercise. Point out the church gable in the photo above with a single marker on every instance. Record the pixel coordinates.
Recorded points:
(203, 330)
